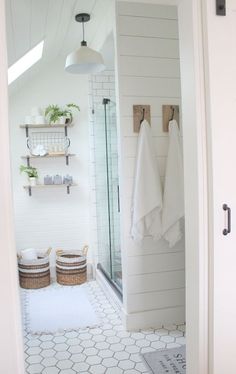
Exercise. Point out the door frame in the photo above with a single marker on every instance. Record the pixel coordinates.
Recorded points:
(191, 31)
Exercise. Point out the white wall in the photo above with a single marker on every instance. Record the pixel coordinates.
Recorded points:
(148, 73)
(51, 217)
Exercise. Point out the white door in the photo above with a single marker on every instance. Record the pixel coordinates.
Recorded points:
(221, 109)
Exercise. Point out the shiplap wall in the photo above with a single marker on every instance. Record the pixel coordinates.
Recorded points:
(148, 73)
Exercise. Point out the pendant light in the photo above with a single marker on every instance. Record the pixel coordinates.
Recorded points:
(84, 60)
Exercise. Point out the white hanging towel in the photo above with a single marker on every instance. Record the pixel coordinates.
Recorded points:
(147, 193)
(173, 201)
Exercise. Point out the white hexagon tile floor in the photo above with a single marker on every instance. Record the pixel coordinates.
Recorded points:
(108, 349)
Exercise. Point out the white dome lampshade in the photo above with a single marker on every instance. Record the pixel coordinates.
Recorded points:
(84, 60)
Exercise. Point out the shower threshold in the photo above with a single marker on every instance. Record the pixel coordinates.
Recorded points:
(111, 282)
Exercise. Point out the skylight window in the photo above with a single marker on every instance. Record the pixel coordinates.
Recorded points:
(25, 62)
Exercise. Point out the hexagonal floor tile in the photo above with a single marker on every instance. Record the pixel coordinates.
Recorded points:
(62, 355)
(90, 351)
(93, 360)
(50, 361)
(73, 341)
(60, 347)
(87, 343)
(97, 369)
(64, 364)
(109, 362)
(80, 367)
(102, 345)
(158, 345)
(75, 349)
(121, 355)
(126, 364)
(117, 347)
(78, 357)
(104, 353)
(47, 344)
(59, 339)
(114, 371)
(50, 370)
(167, 339)
(71, 334)
(48, 353)
(34, 359)
(35, 369)
(132, 349)
(67, 371)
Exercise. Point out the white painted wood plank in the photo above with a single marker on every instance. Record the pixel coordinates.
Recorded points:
(38, 21)
(156, 300)
(21, 15)
(155, 263)
(150, 87)
(140, 46)
(148, 27)
(155, 318)
(147, 10)
(149, 67)
(156, 282)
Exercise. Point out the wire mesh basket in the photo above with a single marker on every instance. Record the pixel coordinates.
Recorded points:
(50, 142)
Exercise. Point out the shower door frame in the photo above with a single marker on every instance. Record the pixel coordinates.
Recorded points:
(110, 280)
(192, 44)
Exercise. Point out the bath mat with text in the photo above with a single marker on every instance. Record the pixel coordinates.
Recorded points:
(168, 361)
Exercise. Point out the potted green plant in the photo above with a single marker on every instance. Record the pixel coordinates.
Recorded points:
(31, 172)
(56, 114)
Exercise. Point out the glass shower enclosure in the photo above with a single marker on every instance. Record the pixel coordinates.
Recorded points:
(107, 193)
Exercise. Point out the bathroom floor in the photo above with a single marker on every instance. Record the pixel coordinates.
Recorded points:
(108, 349)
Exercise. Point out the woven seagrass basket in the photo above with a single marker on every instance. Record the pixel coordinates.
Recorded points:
(71, 267)
(34, 274)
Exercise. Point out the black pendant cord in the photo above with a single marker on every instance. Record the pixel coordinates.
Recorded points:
(83, 30)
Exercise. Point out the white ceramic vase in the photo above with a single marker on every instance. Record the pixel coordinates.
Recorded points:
(32, 181)
(62, 120)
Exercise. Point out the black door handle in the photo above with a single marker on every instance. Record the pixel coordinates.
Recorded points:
(227, 209)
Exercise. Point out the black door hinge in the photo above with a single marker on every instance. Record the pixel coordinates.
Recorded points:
(221, 7)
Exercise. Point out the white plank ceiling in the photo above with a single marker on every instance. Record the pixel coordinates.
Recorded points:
(30, 21)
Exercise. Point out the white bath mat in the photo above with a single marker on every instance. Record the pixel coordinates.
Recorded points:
(59, 308)
(171, 361)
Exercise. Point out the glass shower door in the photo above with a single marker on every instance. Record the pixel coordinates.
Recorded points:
(107, 192)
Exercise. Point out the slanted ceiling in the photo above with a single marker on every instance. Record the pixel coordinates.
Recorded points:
(30, 21)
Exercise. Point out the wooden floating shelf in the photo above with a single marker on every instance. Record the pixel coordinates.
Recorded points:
(50, 156)
(65, 155)
(43, 186)
(45, 126)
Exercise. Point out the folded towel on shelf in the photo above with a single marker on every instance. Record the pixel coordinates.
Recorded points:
(173, 200)
(147, 193)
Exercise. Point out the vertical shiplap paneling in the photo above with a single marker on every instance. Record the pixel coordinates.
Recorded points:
(148, 72)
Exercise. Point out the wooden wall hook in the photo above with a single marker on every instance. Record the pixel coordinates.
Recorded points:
(169, 112)
(141, 112)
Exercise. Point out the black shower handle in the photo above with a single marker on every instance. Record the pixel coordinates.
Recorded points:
(227, 209)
